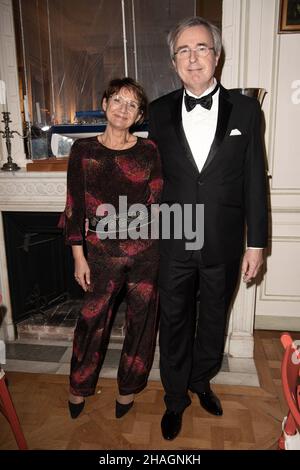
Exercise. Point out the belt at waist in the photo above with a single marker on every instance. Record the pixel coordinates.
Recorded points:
(119, 219)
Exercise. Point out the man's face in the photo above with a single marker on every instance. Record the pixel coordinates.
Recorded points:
(195, 72)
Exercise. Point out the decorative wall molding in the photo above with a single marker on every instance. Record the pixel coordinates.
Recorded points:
(40, 189)
(282, 323)
(24, 188)
(278, 286)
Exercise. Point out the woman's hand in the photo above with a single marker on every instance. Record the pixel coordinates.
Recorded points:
(82, 270)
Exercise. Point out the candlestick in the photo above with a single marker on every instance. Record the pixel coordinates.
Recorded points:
(8, 135)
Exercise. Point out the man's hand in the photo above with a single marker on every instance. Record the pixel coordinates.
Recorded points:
(252, 262)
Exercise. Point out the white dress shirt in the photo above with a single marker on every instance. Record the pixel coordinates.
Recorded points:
(200, 126)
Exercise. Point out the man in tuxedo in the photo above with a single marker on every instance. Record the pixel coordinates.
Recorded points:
(211, 148)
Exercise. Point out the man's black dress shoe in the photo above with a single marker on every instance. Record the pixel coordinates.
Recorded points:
(210, 402)
(171, 424)
(76, 409)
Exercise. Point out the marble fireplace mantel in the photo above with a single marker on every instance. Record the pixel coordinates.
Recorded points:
(45, 191)
(32, 191)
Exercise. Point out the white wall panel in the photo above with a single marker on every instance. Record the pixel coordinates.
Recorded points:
(286, 162)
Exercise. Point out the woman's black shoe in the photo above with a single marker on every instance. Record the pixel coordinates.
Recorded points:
(121, 409)
(76, 409)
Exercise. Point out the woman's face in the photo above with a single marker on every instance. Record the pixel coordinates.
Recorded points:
(122, 109)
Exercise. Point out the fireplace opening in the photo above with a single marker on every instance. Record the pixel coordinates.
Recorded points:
(45, 298)
(40, 265)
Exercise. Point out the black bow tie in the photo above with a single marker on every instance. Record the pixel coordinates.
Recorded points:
(204, 101)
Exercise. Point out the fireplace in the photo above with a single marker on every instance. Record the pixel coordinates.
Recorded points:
(45, 299)
(40, 266)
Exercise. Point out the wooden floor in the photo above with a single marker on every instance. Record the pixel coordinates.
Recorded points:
(252, 416)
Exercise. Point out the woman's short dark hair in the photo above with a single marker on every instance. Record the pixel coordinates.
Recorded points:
(115, 86)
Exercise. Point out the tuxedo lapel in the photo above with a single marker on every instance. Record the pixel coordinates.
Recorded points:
(177, 122)
(224, 112)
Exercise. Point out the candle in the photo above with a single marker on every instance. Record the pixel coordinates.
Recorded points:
(3, 102)
(26, 113)
(38, 113)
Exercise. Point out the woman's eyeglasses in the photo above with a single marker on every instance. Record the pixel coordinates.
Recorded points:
(118, 102)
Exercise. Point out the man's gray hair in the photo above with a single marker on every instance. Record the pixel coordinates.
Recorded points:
(190, 22)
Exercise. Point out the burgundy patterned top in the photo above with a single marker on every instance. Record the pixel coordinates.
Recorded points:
(99, 175)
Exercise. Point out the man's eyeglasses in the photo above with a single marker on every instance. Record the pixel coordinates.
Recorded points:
(118, 102)
(200, 51)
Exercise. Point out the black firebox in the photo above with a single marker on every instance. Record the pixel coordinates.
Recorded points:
(40, 266)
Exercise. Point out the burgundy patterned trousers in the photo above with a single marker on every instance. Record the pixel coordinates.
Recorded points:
(109, 274)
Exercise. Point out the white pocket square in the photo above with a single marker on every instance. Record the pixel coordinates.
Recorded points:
(235, 132)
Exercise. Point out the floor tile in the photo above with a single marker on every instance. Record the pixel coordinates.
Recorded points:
(34, 352)
(31, 366)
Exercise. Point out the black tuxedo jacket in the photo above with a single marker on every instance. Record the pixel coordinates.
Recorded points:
(232, 183)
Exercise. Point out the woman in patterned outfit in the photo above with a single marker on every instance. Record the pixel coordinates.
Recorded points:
(101, 169)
